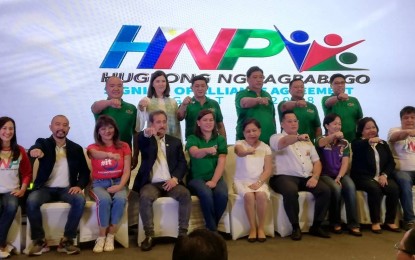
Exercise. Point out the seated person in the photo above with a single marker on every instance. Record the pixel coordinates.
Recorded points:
(372, 169)
(62, 175)
(253, 168)
(334, 152)
(208, 152)
(111, 163)
(298, 168)
(161, 173)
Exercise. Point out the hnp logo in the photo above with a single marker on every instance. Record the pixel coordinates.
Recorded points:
(165, 46)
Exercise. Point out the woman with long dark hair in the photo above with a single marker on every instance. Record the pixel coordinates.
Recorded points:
(13, 159)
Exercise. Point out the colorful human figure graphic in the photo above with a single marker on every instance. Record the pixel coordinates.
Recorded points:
(314, 56)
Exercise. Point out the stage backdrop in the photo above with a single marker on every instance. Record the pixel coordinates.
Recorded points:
(55, 55)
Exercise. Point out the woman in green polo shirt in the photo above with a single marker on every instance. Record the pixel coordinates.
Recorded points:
(208, 152)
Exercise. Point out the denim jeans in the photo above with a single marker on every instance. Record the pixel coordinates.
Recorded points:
(8, 209)
(405, 180)
(212, 201)
(47, 194)
(110, 206)
(150, 192)
(347, 190)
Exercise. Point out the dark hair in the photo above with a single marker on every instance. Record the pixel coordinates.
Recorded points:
(294, 80)
(152, 91)
(198, 77)
(409, 242)
(251, 121)
(198, 131)
(201, 244)
(13, 142)
(337, 75)
(156, 113)
(407, 110)
(105, 120)
(285, 113)
(252, 70)
(361, 124)
(328, 119)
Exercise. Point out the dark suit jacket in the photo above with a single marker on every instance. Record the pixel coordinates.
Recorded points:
(148, 149)
(78, 167)
(364, 163)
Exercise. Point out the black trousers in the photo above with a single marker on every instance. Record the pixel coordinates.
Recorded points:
(289, 186)
(375, 194)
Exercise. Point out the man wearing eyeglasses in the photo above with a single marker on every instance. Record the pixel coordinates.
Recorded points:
(347, 107)
(406, 247)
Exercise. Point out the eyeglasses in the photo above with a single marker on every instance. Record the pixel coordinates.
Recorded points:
(401, 249)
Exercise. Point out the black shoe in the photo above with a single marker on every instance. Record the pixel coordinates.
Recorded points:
(355, 233)
(318, 232)
(147, 244)
(296, 234)
(261, 239)
(336, 231)
(251, 239)
(407, 225)
(377, 231)
(387, 227)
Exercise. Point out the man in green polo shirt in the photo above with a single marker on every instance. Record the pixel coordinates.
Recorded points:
(347, 107)
(254, 102)
(306, 112)
(190, 107)
(123, 113)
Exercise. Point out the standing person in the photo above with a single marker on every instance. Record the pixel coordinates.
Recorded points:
(161, 173)
(372, 169)
(208, 152)
(190, 107)
(298, 169)
(158, 98)
(124, 114)
(254, 102)
(62, 175)
(253, 168)
(110, 161)
(13, 160)
(402, 143)
(306, 112)
(334, 152)
(347, 107)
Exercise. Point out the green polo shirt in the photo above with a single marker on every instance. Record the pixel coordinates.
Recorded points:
(308, 119)
(204, 168)
(125, 117)
(349, 111)
(193, 109)
(264, 114)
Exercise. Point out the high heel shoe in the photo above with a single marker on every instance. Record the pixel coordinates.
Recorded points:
(387, 227)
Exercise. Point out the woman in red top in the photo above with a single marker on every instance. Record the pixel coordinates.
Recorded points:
(13, 159)
(111, 161)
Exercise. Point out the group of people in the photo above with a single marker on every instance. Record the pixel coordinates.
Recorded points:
(348, 156)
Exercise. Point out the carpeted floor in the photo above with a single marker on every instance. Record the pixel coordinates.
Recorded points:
(344, 246)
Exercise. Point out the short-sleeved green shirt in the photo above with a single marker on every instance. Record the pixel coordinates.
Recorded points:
(125, 117)
(264, 114)
(204, 168)
(349, 111)
(308, 119)
(193, 109)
